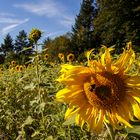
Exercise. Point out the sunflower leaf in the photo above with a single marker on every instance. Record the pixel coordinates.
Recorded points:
(134, 131)
(70, 120)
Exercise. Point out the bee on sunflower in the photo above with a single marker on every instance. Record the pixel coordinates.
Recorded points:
(104, 92)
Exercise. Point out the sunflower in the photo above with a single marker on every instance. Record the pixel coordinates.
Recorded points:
(104, 92)
(13, 63)
(46, 56)
(29, 66)
(21, 68)
(61, 56)
(35, 35)
(70, 57)
(17, 68)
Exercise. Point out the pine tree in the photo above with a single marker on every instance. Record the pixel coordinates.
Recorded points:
(7, 46)
(82, 31)
(21, 47)
(7, 49)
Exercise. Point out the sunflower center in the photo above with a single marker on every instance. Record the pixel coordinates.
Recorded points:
(105, 90)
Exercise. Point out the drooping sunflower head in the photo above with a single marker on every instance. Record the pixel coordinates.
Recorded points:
(35, 35)
(61, 56)
(70, 57)
(102, 92)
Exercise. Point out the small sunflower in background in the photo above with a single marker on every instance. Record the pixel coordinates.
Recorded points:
(29, 66)
(35, 35)
(70, 57)
(104, 92)
(46, 56)
(13, 63)
(17, 68)
(21, 68)
(52, 64)
(61, 56)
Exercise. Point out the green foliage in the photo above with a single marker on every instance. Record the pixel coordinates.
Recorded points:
(28, 109)
(7, 49)
(20, 47)
(82, 31)
(58, 45)
(117, 22)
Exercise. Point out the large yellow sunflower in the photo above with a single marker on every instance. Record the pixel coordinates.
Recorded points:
(102, 92)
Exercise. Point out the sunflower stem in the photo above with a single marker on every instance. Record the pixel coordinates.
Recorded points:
(110, 130)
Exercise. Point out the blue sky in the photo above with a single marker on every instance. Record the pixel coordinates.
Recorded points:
(53, 17)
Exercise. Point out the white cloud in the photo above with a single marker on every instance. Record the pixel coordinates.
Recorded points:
(67, 21)
(10, 24)
(6, 14)
(48, 8)
(9, 20)
(53, 34)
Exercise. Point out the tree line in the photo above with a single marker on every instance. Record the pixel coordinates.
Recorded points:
(108, 22)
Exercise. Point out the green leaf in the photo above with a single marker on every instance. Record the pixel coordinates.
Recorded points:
(49, 138)
(42, 106)
(134, 131)
(35, 133)
(70, 120)
(31, 87)
(28, 121)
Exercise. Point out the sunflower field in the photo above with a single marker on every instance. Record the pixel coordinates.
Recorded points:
(97, 99)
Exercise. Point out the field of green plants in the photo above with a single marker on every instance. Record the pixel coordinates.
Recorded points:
(29, 109)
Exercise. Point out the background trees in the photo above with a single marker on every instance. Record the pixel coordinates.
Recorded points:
(118, 22)
(21, 47)
(60, 44)
(82, 32)
(7, 49)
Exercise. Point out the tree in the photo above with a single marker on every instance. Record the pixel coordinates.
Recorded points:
(7, 46)
(46, 44)
(82, 31)
(21, 48)
(118, 22)
(58, 45)
(7, 49)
